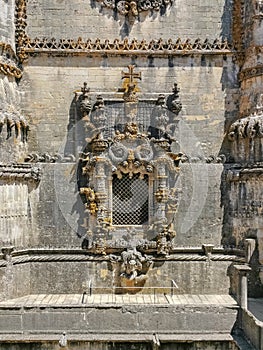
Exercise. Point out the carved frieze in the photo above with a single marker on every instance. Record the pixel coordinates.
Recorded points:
(125, 47)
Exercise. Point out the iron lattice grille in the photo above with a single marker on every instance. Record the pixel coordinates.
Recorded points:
(130, 200)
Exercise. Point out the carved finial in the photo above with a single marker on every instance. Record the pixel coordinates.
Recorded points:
(84, 101)
(173, 102)
(84, 89)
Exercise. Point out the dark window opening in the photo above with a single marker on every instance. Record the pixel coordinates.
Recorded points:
(130, 200)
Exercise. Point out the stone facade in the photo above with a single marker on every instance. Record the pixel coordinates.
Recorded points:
(83, 86)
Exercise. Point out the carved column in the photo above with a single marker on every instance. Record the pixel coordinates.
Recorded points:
(161, 194)
(243, 271)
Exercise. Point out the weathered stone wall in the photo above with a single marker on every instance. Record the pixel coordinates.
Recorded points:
(223, 345)
(89, 20)
(207, 85)
(15, 281)
(194, 277)
(206, 90)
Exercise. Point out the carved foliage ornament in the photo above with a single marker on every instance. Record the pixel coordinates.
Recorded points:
(133, 8)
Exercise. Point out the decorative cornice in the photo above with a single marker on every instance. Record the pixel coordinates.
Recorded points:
(126, 47)
(22, 172)
(249, 73)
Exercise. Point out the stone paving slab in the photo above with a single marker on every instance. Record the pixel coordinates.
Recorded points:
(38, 300)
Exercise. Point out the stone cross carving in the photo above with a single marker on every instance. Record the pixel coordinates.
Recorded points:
(130, 87)
(131, 75)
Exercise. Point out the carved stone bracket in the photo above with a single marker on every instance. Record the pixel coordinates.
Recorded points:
(131, 268)
(245, 174)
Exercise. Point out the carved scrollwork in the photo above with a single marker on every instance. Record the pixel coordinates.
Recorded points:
(144, 152)
(118, 153)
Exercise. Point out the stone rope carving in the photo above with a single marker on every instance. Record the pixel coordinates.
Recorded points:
(8, 61)
(71, 257)
(19, 172)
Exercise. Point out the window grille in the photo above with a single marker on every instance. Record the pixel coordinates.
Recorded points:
(130, 200)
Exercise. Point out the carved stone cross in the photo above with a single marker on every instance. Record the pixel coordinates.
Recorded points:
(131, 75)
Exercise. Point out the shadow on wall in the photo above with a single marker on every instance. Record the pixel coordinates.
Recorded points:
(127, 13)
(230, 85)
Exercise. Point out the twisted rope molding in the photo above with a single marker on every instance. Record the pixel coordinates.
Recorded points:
(20, 172)
(8, 61)
(79, 258)
(11, 70)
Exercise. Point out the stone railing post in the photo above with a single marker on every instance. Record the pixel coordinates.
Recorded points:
(243, 271)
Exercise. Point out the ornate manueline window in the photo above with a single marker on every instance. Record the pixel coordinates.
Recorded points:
(130, 200)
(129, 172)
